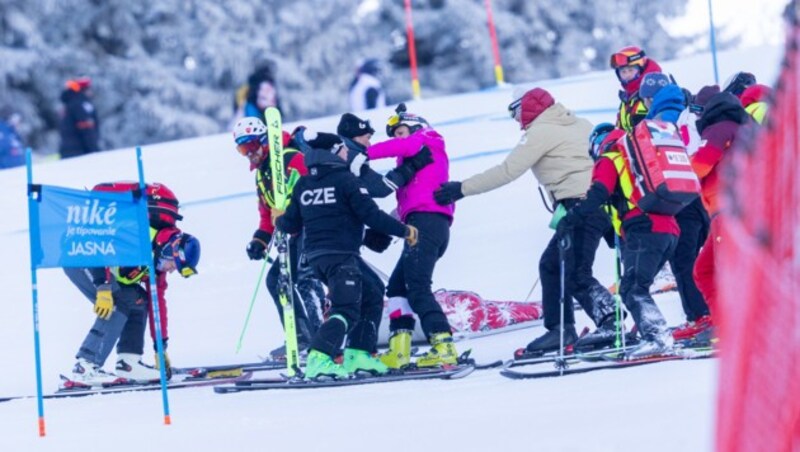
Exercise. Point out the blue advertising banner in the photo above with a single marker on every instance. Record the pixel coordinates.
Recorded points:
(79, 228)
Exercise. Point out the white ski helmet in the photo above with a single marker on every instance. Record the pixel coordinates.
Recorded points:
(247, 128)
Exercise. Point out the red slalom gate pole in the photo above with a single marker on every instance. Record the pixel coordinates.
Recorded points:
(412, 52)
(498, 64)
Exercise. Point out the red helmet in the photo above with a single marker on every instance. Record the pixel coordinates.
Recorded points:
(628, 56)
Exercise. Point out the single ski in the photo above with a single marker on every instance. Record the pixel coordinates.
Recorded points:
(450, 373)
(611, 361)
(189, 382)
(280, 190)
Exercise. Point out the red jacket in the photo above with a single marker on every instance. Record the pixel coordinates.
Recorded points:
(293, 160)
(718, 126)
(605, 173)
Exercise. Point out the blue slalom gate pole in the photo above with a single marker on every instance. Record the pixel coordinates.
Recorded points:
(154, 295)
(713, 42)
(35, 296)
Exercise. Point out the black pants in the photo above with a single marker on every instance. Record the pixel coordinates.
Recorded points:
(694, 223)
(356, 294)
(643, 255)
(126, 326)
(579, 281)
(412, 277)
(306, 316)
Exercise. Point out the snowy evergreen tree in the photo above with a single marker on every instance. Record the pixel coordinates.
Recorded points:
(168, 69)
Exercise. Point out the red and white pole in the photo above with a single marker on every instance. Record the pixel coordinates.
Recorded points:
(412, 52)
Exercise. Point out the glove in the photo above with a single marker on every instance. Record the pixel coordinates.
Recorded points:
(104, 302)
(257, 248)
(412, 235)
(276, 213)
(358, 161)
(167, 363)
(448, 193)
(421, 159)
(376, 241)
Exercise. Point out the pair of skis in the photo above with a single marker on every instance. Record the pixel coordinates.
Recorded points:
(580, 363)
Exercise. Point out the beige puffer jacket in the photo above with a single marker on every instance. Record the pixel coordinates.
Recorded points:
(554, 146)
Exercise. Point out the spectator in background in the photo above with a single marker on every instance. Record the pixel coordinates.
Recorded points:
(255, 96)
(79, 127)
(11, 147)
(366, 90)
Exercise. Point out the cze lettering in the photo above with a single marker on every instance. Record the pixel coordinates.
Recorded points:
(318, 196)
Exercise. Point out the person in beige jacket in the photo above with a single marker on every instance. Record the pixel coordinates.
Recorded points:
(554, 147)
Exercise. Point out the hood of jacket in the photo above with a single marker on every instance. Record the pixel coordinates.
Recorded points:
(722, 107)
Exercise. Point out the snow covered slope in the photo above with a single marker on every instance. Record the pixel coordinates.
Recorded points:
(496, 241)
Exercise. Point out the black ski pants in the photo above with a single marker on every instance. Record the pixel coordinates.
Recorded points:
(579, 282)
(694, 223)
(356, 294)
(412, 277)
(643, 254)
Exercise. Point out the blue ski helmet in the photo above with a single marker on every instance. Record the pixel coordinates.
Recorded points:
(184, 250)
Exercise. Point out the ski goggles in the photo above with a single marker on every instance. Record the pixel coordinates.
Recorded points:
(514, 108)
(249, 146)
(174, 251)
(619, 60)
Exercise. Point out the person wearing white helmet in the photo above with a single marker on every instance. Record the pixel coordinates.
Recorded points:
(250, 135)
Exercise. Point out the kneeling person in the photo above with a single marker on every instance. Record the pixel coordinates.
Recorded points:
(331, 206)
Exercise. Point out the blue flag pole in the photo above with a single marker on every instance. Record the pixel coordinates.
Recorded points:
(35, 291)
(713, 42)
(153, 291)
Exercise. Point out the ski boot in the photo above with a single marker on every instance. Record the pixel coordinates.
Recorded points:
(603, 337)
(321, 365)
(442, 353)
(658, 345)
(131, 367)
(399, 353)
(86, 374)
(551, 340)
(362, 361)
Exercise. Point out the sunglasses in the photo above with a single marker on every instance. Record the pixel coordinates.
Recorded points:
(619, 60)
(513, 108)
(249, 146)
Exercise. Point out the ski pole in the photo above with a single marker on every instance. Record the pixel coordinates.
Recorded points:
(267, 260)
(563, 245)
(535, 283)
(620, 327)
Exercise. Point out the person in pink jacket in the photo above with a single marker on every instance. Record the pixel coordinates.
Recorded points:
(409, 289)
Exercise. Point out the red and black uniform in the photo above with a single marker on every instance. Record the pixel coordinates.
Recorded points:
(648, 239)
(719, 124)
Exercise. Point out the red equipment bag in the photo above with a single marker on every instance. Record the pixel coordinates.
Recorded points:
(162, 205)
(663, 179)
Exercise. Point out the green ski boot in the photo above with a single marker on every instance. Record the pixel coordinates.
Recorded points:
(442, 353)
(361, 361)
(319, 364)
(399, 353)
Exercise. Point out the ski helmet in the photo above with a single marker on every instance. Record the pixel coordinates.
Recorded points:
(628, 56)
(738, 82)
(250, 134)
(184, 250)
(598, 135)
(403, 118)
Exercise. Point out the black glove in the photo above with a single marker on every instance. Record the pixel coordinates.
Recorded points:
(257, 248)
(377, 241)
(421, 159)
(448, 193)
